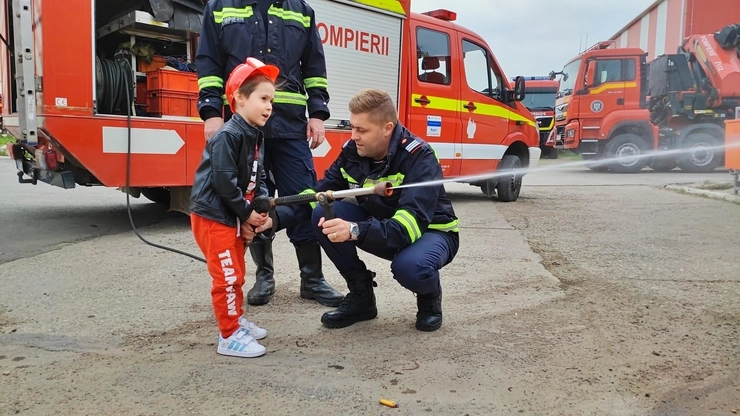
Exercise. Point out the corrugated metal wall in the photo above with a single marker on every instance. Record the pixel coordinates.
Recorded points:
(661, 29)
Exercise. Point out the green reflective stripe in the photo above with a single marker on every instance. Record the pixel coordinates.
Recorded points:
(232, 12)
(210, 81)
(315, 82)
(309, 191)
(289, 15)
(346, 176)
(449, 227)
(408, 221)
(395, 180)
(282, 97)
(223, 98)
(435, 153)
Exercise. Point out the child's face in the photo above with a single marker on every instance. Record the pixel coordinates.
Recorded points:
(256, 108)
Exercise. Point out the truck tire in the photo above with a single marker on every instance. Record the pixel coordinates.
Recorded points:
(157, 195)
(663, 163)
(701, 159)
(509, 186)
(624, 146)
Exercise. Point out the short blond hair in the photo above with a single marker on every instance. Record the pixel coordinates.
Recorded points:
(378, 104)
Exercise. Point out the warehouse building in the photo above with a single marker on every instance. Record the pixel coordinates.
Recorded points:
(662, 26)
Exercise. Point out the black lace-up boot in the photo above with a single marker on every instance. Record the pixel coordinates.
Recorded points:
(358, 305)
(429, 315)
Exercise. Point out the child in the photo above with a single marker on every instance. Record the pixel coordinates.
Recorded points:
(226, 181)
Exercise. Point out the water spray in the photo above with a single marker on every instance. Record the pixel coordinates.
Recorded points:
(326, 198)
(522, 172)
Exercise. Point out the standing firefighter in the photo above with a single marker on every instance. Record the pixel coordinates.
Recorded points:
(281, 33)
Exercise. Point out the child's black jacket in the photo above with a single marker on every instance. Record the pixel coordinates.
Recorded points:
(225, 172)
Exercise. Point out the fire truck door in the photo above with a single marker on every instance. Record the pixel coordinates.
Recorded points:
(434, 110)
(612, 76)
(484, 118)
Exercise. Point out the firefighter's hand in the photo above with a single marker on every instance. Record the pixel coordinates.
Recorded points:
(212, 125)
(315, 132)
(337, 229)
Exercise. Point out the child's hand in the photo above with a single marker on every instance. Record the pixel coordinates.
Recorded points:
(247, 232)
(257, 219)
(264, 227)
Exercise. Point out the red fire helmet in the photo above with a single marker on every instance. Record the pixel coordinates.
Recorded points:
(243, 72)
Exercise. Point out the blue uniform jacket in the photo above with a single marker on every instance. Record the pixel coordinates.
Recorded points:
(399, 220)
(234, 30)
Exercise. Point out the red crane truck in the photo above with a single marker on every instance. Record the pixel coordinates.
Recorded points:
(540, 100)
(68, 65)
(612, 103)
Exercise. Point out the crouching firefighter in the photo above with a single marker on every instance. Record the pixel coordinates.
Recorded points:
(415, 228)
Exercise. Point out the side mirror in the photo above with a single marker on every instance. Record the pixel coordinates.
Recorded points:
(591, 74)
(551, 75)
(519, 88)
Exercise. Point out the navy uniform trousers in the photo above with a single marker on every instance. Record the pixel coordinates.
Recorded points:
(290, 170)
(415, 267)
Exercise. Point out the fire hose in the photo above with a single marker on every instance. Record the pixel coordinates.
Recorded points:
(325, 198)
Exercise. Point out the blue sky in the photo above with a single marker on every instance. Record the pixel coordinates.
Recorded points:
(529, 39)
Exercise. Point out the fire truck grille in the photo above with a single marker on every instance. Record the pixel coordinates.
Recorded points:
(544, 122)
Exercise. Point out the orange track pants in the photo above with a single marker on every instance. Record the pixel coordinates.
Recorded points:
(224, 253)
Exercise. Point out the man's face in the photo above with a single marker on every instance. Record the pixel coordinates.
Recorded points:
(370, 138)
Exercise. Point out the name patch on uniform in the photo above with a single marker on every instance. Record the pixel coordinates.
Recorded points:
(232, 20)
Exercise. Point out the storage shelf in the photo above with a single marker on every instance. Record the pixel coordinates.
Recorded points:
(139, 23)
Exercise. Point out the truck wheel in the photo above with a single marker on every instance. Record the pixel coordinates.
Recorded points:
(597, 166)
(663, 163)
(701, 158)
(509, 186)
(157, 195)
(550, 153)
(630, 148)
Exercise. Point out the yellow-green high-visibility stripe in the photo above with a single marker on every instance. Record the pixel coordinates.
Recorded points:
(408, 221)
(223, 98)
(316, 82)
(282, 97)
(232, 12)
(395, 180)
(210, 81)
(309, 191)
(346, 176)
(452, 226)
(289, 15)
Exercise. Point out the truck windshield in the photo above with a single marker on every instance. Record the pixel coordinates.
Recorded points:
(566, 86)
(540, 98)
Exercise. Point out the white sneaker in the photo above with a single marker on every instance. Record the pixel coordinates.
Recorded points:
(240, 344)
(253, 330)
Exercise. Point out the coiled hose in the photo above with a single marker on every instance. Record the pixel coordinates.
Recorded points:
(112, 82)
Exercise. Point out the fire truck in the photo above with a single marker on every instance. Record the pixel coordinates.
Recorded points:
(540, 100)
(103, 92)
(613, 104)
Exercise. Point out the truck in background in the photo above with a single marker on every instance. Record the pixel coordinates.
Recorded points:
(119, 109)
(540, 100)
(612, 103)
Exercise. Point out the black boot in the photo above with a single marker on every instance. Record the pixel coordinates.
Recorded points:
(313, 285)
(429, 316)
(263, 289)
(359, 305)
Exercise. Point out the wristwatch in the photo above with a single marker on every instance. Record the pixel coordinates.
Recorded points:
(354, 231)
